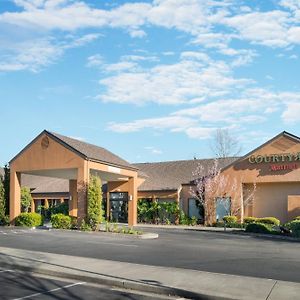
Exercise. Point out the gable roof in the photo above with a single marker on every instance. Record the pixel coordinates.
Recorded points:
(170, 175)
(92, 152)
(283, 133)
(85, 150)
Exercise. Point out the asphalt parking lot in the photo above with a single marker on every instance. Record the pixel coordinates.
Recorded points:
(205, 251)
(19, 285)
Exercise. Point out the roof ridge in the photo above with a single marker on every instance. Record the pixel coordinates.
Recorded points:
(185, 160)
(77, 140)
(88, 150)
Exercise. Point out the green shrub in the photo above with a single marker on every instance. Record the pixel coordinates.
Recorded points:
(94, 207)
(295, 228)
(61, 221)
(193, 221)
(85, 226)
(269, 220)
(230, 219)
(228, 225)
(62, 208)
(28, 219)
(259, 228)
(4, 220)
(249, 220)
(297, 218)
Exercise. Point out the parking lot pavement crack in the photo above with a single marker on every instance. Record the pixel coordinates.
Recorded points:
(271, 290)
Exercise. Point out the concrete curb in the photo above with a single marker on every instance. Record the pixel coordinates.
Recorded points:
(269, 236)
(120, 283)
(143, 236)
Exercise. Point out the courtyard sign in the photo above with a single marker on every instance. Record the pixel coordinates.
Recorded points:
(278, 162)
(274, 158)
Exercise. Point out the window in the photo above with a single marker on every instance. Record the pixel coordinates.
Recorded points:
(223, 207)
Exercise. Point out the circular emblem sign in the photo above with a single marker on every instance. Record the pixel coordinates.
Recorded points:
(45, 142)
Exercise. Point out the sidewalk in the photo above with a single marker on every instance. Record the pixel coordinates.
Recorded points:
(181, 282)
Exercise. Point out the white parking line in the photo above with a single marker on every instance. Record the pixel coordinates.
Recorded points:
(51, 291)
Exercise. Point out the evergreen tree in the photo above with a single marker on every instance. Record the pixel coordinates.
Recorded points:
(94, 209)
(6, 183)
(2, 201)
(26, 198)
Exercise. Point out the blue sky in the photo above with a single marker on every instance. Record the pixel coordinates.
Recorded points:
(149, 80)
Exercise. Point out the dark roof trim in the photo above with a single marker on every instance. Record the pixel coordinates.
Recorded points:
(28, 145)
(162, 190)
(283, 133)
(65, 144)
(112, 164)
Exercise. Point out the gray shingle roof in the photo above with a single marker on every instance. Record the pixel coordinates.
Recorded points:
(170, 175)
(93, 152)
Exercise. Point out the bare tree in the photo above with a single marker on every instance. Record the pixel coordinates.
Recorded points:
(224, 144)
(212, 184)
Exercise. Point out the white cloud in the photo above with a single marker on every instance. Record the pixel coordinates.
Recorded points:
(200, 132)
(137, 33)
(33, 55)
(292, 112)
(187, 81)
(173, 123)
(266, 28)
(95, 60)
(211, 24)
(140, 58)
(153, 150)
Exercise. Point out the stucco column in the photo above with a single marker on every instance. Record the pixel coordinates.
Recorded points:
(132, 205)
(15, 195)
(32, 205)
(107, 204)
(82, 185)
(46, 203)
(242, 204)
(73, 198)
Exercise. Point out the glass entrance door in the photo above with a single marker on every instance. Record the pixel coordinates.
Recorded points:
(118, 207)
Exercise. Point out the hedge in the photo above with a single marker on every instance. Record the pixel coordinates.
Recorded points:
(249, 220)
(297, 218)
(29, 219)
(295, 228)
(61, 221)
(230, 219)
(259, 228)
(269, 220)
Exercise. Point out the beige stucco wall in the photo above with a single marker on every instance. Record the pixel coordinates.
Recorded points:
(273, 186)
(293, 206)
(271, 199)
(46, 155)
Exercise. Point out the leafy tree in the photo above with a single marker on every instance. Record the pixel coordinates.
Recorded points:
(26, 198)
(94, 207)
